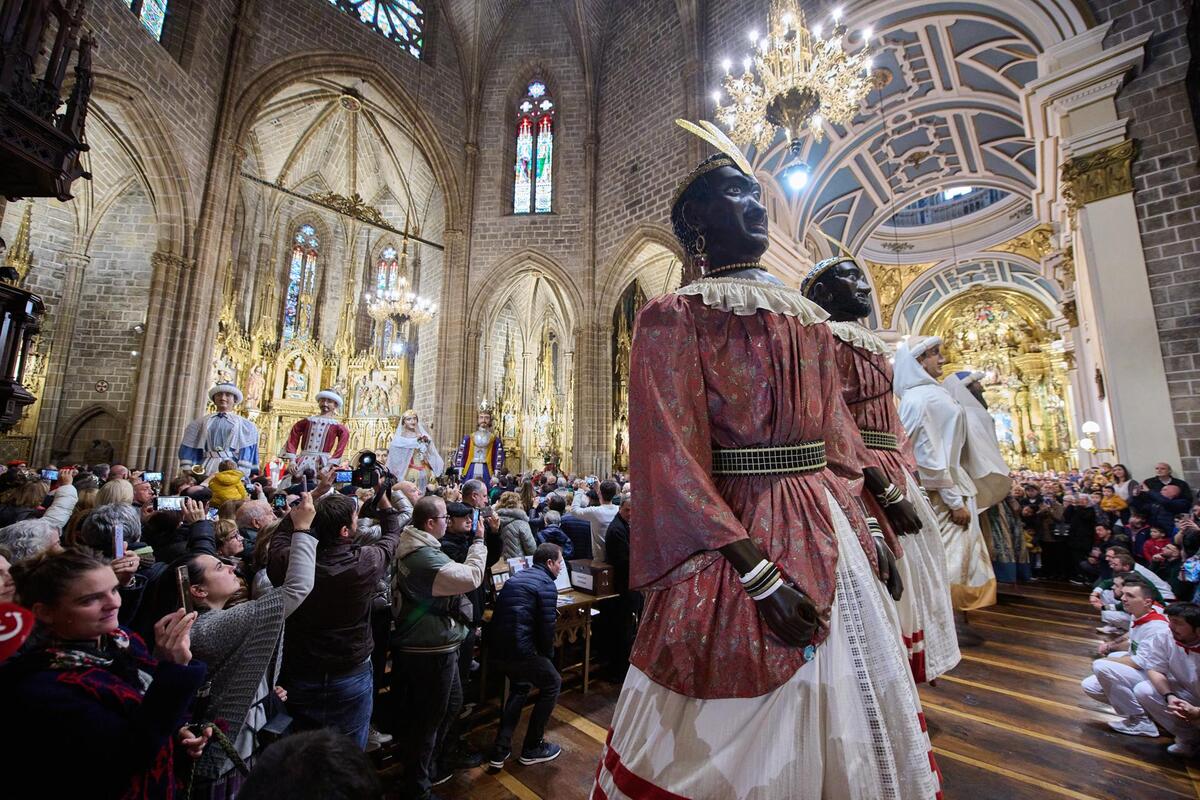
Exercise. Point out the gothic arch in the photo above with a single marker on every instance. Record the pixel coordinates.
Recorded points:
(625, 264)
(513, 269)
(412, 118)
(145, 138)
(64, 439)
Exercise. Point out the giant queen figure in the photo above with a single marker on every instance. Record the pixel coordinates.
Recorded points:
(769, 662)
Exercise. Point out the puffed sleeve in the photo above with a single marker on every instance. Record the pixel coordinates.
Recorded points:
(844, 448)
(671, 464)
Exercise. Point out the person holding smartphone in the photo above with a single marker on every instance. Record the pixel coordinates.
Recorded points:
(27, 493)
(240, 640)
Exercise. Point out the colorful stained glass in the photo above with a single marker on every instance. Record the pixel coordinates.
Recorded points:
(402, 21)
(387, 272)
(523, 188)
(302, 284)
(152, 14)
(545, 151)
(533, 184)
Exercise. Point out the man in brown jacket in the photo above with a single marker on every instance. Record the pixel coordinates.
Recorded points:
(327, 660)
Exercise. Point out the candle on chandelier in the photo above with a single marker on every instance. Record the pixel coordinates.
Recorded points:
(726, 64)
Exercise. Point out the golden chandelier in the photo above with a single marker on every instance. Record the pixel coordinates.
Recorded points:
(795, 79)
(400, 304)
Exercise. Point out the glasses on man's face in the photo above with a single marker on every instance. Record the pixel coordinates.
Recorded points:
(443, 516)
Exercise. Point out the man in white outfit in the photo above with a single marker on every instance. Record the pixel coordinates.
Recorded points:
(936, 425)
(1171, 692)
(1113, 678)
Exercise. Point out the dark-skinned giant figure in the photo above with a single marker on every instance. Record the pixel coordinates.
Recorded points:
(768, 663)
(839, 286)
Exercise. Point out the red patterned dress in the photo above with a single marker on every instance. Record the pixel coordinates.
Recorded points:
(926, 614)
(714, 705)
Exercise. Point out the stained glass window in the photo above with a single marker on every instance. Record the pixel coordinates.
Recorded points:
(387, 272)
(533, 184)
(302, 284)
(152, 13)
(402, 21)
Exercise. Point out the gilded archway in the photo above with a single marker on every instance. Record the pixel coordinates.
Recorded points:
(1004, 333)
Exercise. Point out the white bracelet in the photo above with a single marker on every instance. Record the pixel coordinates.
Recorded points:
(754, 572)
(770, 590)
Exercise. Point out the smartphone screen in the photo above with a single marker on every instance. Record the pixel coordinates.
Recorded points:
(50, 474)
(152, 477)
(474, 520)
(279, 501)
(213, 514)
(169, 503)
(343, 476)
(185, 594)
(118, 541)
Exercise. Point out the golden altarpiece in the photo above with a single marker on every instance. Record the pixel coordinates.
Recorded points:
(280, 377)
(534, 426)
(17, 443)
(1003, 333)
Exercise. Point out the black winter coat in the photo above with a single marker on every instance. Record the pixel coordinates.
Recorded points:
(523, 621)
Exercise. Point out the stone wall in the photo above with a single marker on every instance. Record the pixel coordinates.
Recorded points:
(1166, 188)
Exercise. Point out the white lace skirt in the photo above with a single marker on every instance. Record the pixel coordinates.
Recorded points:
(846, 726)
(926, 613)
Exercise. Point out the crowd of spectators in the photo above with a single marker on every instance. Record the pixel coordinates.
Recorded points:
(186, 634)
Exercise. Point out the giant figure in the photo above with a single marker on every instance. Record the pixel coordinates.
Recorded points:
(480, 455)
(412, 455)
(769, 662)
(223, 434)
(840, 286)
(937, 426)
(320, 440)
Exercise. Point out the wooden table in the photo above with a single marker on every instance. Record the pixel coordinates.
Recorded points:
(574, 620)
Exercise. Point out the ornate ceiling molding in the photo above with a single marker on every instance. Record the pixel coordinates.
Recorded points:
(1034, 244)
(890, 282)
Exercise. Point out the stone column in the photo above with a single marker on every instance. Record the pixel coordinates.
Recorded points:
(455, 363)
(154, 402)
(1086, 185)
(64, 319)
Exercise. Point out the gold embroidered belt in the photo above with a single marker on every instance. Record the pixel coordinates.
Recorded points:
(805, 457)
(878, 440)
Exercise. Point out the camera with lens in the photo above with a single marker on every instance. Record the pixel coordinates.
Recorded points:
(369, 474)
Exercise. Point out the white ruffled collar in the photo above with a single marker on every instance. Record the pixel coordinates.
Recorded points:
(744, 297)
(857, 335)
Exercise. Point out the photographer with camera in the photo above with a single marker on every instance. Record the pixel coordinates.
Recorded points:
(327, 661)
(433, 619)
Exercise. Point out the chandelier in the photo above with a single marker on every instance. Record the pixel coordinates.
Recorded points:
(796, 78)
(399, 304)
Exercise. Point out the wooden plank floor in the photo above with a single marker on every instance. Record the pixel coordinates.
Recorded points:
(1009, 722)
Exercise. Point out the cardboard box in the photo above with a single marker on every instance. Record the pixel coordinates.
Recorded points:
(592, 577)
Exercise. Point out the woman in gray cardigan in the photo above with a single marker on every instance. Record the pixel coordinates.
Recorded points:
(242, 643)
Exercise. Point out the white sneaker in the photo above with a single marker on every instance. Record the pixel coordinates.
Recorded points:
(1135, 726)
(1180, 749)
(376, 738)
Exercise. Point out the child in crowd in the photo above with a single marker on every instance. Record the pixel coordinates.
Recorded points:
(1155, 544)
(227, 484)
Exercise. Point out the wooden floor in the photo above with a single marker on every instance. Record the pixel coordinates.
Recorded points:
(1009, 722)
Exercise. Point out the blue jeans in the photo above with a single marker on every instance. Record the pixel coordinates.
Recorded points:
(341, 702)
